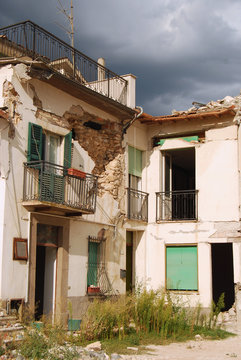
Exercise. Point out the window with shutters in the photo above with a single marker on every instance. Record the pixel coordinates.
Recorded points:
(93, 263)
(49, 152)
(134, 167)
(181, 268)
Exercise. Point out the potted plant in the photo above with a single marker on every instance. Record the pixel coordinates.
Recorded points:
(76, 172)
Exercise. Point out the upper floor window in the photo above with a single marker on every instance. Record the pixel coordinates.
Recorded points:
(44, 145)
(134, 167)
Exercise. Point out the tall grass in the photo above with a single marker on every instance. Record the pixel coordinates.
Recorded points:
(145, 312)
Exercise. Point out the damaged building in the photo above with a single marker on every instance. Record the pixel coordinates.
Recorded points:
(62, 180)
(97, 197)
(188, 165)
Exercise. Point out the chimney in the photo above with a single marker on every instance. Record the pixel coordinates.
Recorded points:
(101, 71)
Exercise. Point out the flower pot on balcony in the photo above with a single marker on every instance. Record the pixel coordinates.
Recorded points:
(93, 290)
(78, 173)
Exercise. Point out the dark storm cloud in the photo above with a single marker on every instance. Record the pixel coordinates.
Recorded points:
(180, 50)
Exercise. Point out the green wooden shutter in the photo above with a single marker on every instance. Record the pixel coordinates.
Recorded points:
(35, 142)
(92, 264)
(134, 161)
(67, 149)
(181, 268)
(52, 187)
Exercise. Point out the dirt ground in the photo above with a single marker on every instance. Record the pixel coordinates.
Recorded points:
(196, 349)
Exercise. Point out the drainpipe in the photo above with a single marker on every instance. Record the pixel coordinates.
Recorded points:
(126, 126)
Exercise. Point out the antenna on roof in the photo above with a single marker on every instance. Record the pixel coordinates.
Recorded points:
(70, 18)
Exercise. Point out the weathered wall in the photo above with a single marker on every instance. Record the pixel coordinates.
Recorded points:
(97, 151)
(217, 180)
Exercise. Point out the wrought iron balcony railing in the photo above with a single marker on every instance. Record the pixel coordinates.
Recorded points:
(137, 205)
(176, 205)
(97, 279)
(47, 182)
(29, 39)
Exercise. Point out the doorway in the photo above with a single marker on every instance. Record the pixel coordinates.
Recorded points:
(222, 273)
(129, 261)
(46, 257)
(178, 184)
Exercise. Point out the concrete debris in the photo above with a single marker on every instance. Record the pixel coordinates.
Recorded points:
(96, 346)
(198, 337)
(132, 348)
(213, 106)
(115, 357)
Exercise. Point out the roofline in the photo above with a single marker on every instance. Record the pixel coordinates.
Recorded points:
(150, 120)
(103, 102)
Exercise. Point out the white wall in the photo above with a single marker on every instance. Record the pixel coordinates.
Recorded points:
(15, 222)
(218, 208)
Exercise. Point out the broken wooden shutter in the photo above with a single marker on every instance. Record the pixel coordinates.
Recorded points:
(181, 268)
(35, 142)
(67, 149)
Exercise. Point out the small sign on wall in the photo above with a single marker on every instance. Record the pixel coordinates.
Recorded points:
(20, 249)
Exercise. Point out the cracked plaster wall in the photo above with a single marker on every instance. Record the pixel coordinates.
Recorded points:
(30, 101)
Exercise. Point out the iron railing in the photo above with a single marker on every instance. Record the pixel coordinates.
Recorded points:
(176, 205)
(97, 275)
(137, 205)
(44, 181)
(29, 39)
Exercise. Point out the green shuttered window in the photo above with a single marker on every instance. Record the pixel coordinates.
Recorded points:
(181, 268)
(67, 149)
(135, 161)
(35, 142)
(92, 275)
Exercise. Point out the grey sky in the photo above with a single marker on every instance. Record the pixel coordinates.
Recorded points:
(180, 50)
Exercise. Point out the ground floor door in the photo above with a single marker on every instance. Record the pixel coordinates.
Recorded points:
(45, 276)
(222, 273)
(129, 261)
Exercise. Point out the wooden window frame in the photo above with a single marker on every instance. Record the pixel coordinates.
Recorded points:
(16, 256)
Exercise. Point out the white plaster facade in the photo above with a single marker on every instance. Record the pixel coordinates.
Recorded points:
(66, 268)
(217, 180)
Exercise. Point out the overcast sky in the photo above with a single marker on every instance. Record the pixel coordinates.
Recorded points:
(180, 50)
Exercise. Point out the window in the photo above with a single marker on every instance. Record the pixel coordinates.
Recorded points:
(43, 145)
(93, 262)
(46, 146)
(135, 168)
(181, 268)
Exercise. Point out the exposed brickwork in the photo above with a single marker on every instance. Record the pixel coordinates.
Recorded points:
(104, 146)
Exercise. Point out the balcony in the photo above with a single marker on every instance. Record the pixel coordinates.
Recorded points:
(137, 205)
(29, 40)
(176, 205)
(49, 187)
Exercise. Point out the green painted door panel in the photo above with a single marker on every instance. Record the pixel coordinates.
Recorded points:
(35, 142)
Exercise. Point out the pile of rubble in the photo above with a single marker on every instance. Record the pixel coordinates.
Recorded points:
(218, 105)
